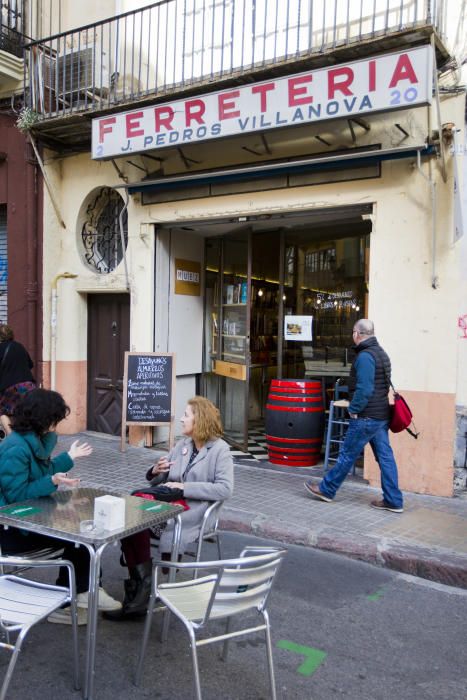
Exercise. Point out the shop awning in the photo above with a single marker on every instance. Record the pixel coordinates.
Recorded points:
(342, 160)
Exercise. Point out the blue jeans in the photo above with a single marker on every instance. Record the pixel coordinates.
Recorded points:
(360, 432)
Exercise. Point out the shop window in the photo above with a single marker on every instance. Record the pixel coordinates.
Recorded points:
(99, 227)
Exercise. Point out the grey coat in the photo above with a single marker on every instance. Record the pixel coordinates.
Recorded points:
(209, 479)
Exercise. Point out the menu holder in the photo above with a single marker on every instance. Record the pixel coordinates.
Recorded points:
(148, 392)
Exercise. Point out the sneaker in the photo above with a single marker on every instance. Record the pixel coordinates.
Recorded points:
(314, 491)
(62, 616)
(106, 602)
(384, 505)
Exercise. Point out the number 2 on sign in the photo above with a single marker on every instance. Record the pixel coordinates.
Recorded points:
(408, 96)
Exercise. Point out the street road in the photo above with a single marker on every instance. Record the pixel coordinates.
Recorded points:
(341, 629)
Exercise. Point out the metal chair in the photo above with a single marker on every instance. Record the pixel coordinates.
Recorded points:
(23, 603)
(46, 553)
(229, 588)
(209, 531)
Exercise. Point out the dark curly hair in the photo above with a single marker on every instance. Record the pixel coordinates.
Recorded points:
(38, 411)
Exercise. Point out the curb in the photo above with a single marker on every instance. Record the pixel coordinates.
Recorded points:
(449, 568)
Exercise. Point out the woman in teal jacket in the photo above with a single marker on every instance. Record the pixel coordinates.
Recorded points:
(27, 470)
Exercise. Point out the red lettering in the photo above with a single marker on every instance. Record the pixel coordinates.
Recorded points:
(372, 76)
(132, 124)
(163, 117)
(403, 71)
(337, 85)
(194, 109)
(295, 91)
(263, 90)
(105, 128)
(226, 103)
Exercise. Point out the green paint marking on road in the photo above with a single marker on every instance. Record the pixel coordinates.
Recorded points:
(376, 596)
(313, 657)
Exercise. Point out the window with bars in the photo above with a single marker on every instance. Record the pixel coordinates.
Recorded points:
(100, 231)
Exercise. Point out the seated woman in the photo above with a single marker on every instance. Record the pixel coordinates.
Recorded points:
(201, 466)
(28, 471)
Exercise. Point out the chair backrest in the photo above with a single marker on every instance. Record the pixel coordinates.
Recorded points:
(31, 555)
(244, 583)
(229, 586)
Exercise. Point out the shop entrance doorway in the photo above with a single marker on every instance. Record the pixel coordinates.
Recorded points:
(281, 296)
(108, 339)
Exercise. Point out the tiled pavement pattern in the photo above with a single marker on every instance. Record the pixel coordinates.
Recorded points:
(256, 445)
(428, 539)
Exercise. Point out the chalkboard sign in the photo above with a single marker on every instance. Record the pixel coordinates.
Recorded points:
(148, 390)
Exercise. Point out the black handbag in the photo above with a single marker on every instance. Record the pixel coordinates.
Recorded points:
(161, 492)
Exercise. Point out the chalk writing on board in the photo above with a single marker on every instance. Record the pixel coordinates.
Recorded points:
(149, 388)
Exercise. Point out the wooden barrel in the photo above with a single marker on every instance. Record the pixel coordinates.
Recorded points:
(294, 422)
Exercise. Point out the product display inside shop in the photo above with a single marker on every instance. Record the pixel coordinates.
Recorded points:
(280, 304)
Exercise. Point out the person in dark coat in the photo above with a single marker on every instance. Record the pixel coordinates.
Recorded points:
(27, 470)
(369, 411)
(15, 375)
(201, 466)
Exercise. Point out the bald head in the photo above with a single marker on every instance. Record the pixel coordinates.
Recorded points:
(363, 329)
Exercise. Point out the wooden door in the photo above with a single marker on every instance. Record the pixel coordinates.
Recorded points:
(108, 339)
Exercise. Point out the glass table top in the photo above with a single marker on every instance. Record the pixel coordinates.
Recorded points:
(61, 514)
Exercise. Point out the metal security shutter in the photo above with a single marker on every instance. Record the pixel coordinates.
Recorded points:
(3, 267)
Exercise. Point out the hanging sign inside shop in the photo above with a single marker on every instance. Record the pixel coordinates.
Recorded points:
(148, 391)
(298, 327)
(187, 277)
(375, 84)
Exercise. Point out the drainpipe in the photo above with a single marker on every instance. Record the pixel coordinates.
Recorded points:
(434, 278)
(122, 239)
(438, 111)
(53, 325)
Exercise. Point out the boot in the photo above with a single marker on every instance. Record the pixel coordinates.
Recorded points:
(137, 592)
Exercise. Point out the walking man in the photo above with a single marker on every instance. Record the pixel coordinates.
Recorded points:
(369, 381)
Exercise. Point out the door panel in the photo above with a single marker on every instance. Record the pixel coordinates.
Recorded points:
(108, 339)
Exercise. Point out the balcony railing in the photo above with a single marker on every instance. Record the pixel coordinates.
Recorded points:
(173, 44)
(12, 26)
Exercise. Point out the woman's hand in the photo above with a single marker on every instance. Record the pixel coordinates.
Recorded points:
(162, 466)
(62, 479)
(174, 485)
(76, 450)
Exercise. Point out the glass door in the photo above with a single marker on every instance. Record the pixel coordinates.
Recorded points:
(227, 332)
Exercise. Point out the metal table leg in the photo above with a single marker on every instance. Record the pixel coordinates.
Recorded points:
(93, 604)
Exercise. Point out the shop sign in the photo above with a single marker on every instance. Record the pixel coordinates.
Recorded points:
(298, 327)
(187, 277)
(382, 83)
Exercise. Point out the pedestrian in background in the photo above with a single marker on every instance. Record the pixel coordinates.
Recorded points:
(369, 411)
(15, 375)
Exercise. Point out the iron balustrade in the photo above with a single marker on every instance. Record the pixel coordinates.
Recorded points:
(12, 26)
(173, 44)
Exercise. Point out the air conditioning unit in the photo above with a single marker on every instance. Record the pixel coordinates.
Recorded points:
(73, 75)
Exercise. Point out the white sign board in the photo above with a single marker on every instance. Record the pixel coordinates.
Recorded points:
(298, 327)
(392, 81)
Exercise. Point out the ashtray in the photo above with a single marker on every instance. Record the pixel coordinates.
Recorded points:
(89, 527)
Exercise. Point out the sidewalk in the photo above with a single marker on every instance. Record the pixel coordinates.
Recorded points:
(429, 539)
